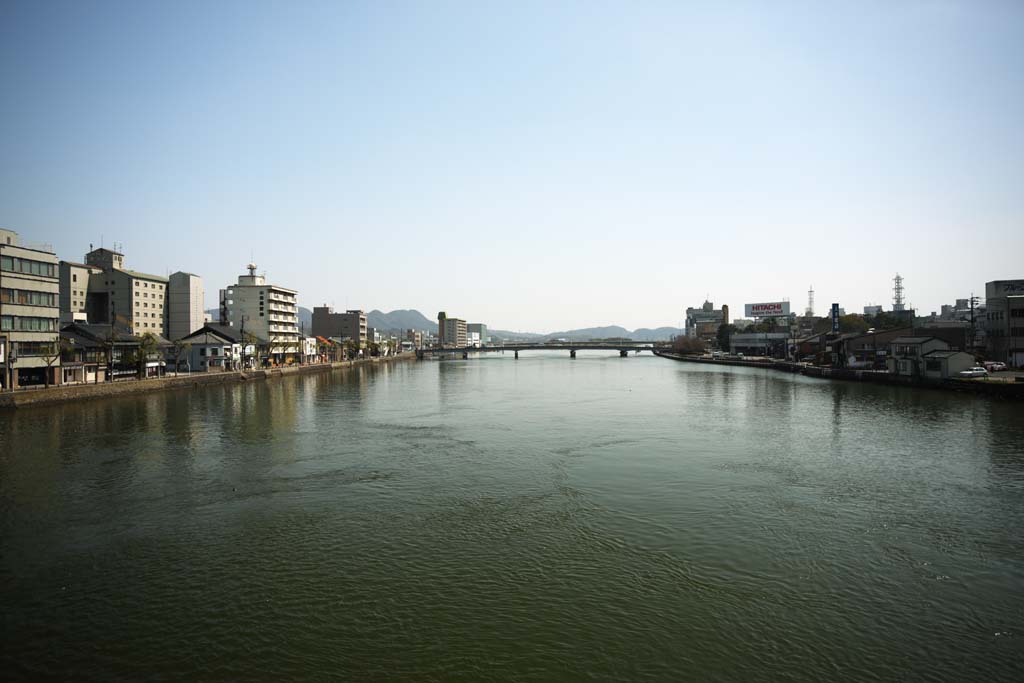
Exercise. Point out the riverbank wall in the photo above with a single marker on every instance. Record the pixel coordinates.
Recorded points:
(11, 400)
(1000, 389)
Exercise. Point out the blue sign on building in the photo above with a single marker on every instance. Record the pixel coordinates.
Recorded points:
(835, 318)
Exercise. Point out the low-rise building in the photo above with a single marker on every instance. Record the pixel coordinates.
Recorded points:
(86, 356)
(29, 313)
(906, 354)
(211, 348)
(943, 364)
(772, 344)
(94, 344)
(415, 338)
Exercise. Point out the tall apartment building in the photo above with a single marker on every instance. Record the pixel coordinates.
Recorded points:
(74, 288)
(29, 313)
(186, 300)
(451, 331)
(350, 324)
(136, 301)
(1004, 321)
(269, 312)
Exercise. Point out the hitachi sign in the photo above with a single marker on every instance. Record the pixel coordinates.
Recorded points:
(772, 309)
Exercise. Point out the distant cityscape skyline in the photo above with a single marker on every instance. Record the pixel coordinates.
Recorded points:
(539, 167)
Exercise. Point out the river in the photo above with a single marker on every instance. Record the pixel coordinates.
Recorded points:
(601, 518)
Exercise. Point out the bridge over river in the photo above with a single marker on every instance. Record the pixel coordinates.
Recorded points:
(623, 347)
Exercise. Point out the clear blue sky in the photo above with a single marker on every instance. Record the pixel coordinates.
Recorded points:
(534, 166)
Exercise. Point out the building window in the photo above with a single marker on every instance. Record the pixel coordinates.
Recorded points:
(74, 277)
(28, 267)
(22, 323)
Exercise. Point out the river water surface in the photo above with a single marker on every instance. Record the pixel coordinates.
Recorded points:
(602, 518)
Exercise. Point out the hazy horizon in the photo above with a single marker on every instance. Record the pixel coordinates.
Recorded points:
(536, 167)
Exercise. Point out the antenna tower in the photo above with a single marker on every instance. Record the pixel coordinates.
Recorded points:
(810, 303)
(897, 294)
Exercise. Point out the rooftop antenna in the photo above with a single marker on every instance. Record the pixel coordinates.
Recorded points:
(252, 269)
(897, 293)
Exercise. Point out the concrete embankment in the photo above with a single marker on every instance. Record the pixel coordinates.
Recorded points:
(85, 392)
(1001, 389)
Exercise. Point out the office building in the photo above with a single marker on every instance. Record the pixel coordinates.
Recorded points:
(348, 325)
(29, 313)
(703, 322)
(127, 298)
(1004, 321)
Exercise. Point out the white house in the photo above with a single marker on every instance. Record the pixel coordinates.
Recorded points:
(944, 364)
(212, 348)
(906, 354)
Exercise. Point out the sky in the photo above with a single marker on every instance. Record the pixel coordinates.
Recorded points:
(535, 166)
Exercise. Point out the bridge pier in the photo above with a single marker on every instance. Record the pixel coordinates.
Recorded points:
(624, 353)
(572, 353)
(517, 355)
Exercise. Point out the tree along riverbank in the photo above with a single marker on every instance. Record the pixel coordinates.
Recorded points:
(1001, 389)
(11, 400)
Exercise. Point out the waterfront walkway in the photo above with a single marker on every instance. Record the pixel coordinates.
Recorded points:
(76, 392)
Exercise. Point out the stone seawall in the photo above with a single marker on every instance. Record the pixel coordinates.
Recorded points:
(1008, 390)
(83, 392)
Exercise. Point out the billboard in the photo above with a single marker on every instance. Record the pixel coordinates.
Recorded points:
(835, 318)
(772, 309)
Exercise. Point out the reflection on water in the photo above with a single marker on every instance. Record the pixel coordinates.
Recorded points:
(530, 519)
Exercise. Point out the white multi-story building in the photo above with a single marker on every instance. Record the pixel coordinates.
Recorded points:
(29, 313)
(267, 311)
(185, 304)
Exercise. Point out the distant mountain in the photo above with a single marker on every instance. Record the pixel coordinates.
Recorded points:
(656, 334)
(403, 319)
(590, 333)
(642, 334)
(508, 334)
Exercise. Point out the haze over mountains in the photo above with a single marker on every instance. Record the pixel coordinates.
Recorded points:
(405, 319)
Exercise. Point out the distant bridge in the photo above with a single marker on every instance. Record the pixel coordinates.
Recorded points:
(623, 347)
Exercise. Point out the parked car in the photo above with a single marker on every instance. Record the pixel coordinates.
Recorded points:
(976, 371)
(994, 366)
